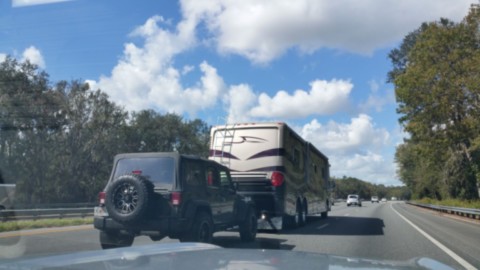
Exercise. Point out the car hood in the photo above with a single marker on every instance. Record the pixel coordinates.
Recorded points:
(204, 256)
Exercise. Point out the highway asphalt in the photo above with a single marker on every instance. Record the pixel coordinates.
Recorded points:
(391, 231)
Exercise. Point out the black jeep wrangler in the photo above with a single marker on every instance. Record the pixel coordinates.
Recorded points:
(169, 194)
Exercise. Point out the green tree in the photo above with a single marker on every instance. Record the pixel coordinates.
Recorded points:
(28, 118)
(91, 135)
(437, 86)
(150, 131)
(58, 141)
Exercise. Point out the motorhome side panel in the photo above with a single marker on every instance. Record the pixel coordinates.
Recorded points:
(318, 182)
(294, 162)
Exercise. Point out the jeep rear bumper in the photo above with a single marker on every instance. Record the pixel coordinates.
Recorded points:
(171, 227)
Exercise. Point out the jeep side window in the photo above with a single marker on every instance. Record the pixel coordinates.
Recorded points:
(212, 177)
(224, 180)
(193, 173)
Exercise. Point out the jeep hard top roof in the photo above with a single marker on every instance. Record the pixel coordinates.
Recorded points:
(175, 155)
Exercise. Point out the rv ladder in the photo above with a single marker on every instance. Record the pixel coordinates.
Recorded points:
(225, 144)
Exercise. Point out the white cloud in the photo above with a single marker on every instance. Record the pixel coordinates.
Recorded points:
(358, 149)
(239, 101)
(263, 30)
(324, 97)
(371, 167)
(3, 57)
(187, 69)
(374, 86)
(360, 135)
(146, 78)
(25, 3)
(33, 55)
(378, 98)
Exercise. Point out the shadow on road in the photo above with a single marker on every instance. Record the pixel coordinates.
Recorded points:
(260, 243)
(340, 225)
(333, 225)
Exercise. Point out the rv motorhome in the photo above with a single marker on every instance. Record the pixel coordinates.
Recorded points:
(286, 176)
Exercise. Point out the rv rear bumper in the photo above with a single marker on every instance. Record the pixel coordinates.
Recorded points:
(266, 203)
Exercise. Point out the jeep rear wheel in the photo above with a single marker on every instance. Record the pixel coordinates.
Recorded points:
(114, 240)
(127, 198)
(248, 228)
(201, 231)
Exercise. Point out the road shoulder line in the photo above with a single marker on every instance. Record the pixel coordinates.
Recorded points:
(445, 249)
(45, 231)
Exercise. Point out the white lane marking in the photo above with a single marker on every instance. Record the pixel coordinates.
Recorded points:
(323, 226)
(452, 254)
(45, 231)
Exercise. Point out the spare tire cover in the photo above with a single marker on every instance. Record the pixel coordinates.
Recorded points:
(127, 198)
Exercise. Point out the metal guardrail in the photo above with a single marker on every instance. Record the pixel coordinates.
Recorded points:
(46, 213)
(459, 211)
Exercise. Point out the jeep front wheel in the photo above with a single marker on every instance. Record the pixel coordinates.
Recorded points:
(201, 231)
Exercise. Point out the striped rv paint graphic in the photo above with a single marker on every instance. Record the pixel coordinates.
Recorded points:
(266, 169)
(267, 153)
(219, 153)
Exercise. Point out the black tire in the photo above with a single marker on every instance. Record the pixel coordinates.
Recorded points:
(292, 222)
(157, 237)
(302, 215)
(3, 216)
(324, 214)
(201, 231)
(110, 240)
(127, 198)
(248, 228)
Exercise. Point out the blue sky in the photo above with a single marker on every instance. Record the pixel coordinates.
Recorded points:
(318, 65)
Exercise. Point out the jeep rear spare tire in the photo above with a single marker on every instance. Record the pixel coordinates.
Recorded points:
(127, 198)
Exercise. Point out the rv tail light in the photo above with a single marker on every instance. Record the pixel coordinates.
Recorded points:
(277, 179)
(176, 198)
(101, 198)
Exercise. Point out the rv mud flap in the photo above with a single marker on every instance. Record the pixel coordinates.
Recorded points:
(274, 223)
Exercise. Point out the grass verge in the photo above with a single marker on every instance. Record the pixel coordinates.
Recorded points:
(42, 223)
(452, 202)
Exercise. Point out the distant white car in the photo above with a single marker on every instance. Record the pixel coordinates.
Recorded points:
(353, 199)
(384, 200)
(375, 199)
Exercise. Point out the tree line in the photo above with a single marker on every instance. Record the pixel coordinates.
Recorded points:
(58, 140)
(436, 74)
(351, 185)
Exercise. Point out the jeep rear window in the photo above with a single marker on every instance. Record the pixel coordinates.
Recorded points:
(158, 170)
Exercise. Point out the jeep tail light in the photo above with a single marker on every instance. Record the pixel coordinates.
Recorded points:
(277, 179)
(101, 198)
(137, 172)
(176, 198)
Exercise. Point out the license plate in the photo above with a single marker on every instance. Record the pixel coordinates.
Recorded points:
(100, 212)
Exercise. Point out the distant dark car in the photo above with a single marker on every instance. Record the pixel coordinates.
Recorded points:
(169, 194)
